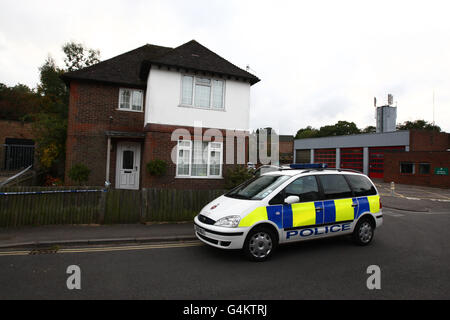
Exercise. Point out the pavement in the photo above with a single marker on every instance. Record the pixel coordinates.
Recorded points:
(404, 198)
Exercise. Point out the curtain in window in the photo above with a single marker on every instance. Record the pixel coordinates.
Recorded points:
(217, 94)
(200, 159)
(137, 101)
(125, 99)
(202, 92)
(187, 90)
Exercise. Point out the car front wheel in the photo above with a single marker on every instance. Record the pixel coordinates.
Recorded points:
(260, 244)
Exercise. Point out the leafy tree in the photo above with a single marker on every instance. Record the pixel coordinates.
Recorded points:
(236, 175)
(418, 124)
(341, 128)
(369, 129)
(157, 167)
(78, 56)
(50, 123)
(17, 102)
(308, 132)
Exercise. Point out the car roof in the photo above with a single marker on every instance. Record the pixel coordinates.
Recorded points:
(295, 172)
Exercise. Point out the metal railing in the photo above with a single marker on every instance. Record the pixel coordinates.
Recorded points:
(14, 157)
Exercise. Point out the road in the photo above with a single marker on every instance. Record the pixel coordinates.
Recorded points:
(412, 250)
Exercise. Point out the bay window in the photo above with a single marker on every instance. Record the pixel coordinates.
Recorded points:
(202, 92)
(199, 159)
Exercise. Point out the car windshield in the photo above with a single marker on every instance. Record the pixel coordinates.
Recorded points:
(257, 188)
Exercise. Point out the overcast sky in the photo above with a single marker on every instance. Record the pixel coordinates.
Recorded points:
(318, 61)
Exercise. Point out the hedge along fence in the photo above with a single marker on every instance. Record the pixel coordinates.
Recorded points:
(92, 205)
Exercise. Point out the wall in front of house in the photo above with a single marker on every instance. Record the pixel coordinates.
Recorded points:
(16, 130)
(164, 99)
(91, 107)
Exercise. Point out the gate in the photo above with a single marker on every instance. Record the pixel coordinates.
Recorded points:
(352, 158)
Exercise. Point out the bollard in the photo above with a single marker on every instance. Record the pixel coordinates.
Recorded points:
(392, 188)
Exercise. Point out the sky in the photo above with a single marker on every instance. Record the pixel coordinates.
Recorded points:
(319, 61)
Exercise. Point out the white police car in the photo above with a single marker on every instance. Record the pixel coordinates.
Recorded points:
(305, 202)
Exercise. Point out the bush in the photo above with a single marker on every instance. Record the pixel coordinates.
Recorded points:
(157, 167)
(237, 175)
(79, 173)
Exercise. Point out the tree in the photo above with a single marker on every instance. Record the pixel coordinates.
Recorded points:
(369, 129)
(50, 123)
(308, 132)
(418, 124)
(79, 173)
(17, 102)
(78, 56)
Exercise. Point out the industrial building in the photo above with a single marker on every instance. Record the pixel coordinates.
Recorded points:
(410, 156)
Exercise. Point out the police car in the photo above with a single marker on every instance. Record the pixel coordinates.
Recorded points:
(304, 202)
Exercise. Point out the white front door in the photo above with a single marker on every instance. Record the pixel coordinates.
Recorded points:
(128, 165)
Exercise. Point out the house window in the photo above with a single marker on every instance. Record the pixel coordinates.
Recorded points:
(199, 159)
(424, 168)
(202, 92)
(407, 167)
(131, 99)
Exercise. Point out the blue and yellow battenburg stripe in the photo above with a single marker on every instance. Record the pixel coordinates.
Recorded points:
(313, 213)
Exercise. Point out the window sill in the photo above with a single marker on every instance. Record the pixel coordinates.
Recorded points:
(201, 108)
(205, 178)
(129, 110)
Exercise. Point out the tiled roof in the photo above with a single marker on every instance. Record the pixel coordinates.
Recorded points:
(132, 68)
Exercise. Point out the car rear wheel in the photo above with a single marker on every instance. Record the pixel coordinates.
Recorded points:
(363, 233)
(260, 244)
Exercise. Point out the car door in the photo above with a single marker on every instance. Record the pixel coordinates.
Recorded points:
(339, 205)
(297, 216)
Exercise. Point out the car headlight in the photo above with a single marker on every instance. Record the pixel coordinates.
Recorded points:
(228, 222)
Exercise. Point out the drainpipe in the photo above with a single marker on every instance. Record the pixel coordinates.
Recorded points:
(108, 159)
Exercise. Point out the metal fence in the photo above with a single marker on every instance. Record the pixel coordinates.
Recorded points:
(14, 157)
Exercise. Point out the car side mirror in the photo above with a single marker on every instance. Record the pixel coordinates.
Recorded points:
(291, 200)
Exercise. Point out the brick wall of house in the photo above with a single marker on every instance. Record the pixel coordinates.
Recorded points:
(15, 129)
(158, 145)
(92, 111)
(422, 140)
(436, 159)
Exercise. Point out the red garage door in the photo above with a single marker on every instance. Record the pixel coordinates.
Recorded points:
(327, 156)
(376, 160)
(352, 158)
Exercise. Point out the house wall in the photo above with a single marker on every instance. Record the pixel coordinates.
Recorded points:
(436, 159)
(164, 97)
(92, 111)
(158, 145)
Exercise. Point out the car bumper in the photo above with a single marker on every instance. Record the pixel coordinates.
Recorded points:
(220, 237)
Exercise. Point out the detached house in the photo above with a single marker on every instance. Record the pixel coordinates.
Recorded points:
(123, 112)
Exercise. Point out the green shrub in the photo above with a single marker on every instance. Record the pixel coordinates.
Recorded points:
(157, 167)
(237, 175)
(79, 173)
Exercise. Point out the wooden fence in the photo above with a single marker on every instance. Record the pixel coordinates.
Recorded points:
(92, 205)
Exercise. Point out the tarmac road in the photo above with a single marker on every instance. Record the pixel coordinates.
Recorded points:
(412, 250)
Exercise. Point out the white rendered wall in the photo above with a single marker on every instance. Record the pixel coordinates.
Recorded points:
(163, 98)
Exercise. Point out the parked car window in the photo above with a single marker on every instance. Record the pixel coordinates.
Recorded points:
(305, 188)
(361, 186)
(335, 186)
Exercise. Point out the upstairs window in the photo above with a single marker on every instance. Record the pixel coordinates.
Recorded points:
(202, 92)
(131, 100)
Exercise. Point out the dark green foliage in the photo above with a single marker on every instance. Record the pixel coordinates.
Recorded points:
(236, 175)
(419, 125)
(79, 173)
(157, 167)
